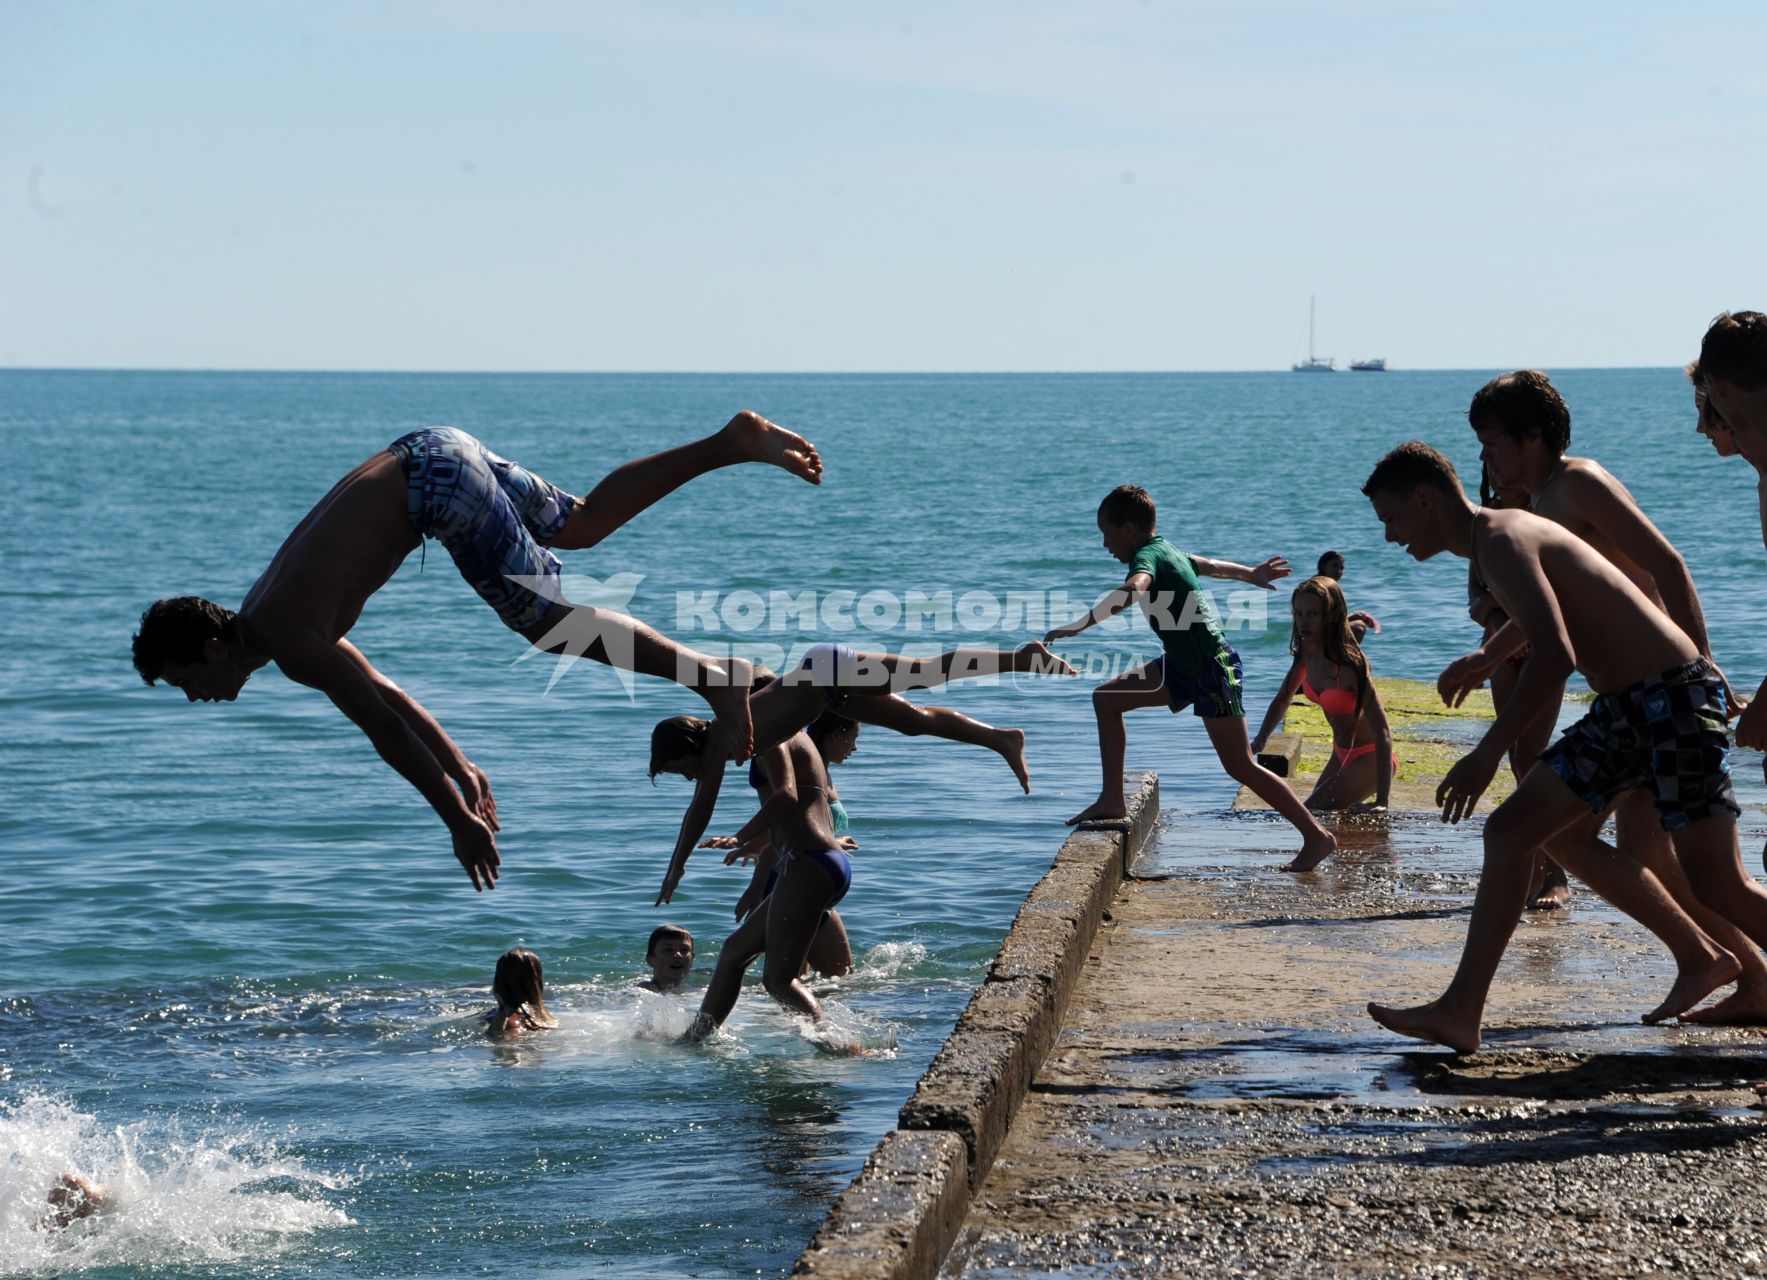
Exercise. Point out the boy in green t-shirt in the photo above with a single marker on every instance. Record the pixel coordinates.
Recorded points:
(1199, 669)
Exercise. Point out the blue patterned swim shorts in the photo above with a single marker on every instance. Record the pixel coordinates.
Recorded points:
(495, 518)
(1665, 734)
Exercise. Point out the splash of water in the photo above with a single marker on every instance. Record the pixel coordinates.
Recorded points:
(173, 1194)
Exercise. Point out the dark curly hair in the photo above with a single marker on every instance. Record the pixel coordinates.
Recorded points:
(176, 630)
(1524, 405)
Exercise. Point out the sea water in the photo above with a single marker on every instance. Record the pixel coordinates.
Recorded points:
(239, 968)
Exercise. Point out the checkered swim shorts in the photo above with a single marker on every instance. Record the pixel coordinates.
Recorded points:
(1665, 734)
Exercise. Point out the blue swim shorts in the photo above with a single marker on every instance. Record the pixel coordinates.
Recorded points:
(495, 518)
(1214, 691)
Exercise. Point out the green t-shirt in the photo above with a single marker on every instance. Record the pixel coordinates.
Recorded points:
(1176, 608)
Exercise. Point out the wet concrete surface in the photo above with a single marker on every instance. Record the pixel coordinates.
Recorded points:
(1219, 1103)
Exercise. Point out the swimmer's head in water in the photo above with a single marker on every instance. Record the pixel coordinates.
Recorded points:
(670, 956)
(1126, 519)
(519, 987)
(1331, 565)
(676, 745)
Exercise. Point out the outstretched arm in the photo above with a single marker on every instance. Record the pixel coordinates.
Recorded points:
(1113, 603)
(340, 676)
(1279, 705)
(1260, 575)
(474, 786)
(698, 816)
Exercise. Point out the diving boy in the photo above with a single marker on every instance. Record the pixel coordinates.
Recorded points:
(501, 524)
(1199, 669)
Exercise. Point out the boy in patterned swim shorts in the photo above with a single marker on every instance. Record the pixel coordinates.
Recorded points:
(501, 524)
(1657, 723)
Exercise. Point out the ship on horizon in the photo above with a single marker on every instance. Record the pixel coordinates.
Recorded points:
(1374, 364)
(1313, 363)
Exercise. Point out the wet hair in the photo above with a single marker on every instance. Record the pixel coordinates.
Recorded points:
(676, 738)
(176, 630)
(1735, 349)
(518, 985)
(1128, 504)
(1335, 638)
(662, 932)
(1323, 557)
(1525, 406)
(828, 726)
(1412, 464)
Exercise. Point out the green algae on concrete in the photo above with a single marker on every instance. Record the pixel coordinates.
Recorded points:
(1427, 739)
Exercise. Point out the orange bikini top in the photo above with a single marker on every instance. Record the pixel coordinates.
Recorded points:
(1332, 700)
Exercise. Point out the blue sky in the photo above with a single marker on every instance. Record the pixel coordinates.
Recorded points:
(778, 186)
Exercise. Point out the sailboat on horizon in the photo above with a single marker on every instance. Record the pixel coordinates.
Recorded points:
(1313, 363)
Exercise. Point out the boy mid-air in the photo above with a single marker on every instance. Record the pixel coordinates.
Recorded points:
(1199, 669)
(501, 525)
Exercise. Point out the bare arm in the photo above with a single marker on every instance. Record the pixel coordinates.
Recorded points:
(1113, 603)
(327, 667)
(1261, 575)
(1604, 503)
(782, 796)
(474, 786)
(1383, 748)
(698, 816)
(1551, 660)
(1279, 705)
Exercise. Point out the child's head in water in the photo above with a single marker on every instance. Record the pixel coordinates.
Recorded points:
(1331, 565)
(518, 987)
(670, 957)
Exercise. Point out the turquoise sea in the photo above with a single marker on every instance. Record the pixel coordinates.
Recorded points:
(238, 965)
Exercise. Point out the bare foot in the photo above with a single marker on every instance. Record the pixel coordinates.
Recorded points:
(729, 700)
(1428, 1022)
(1693, 985)
(1037, 658)
(1102, 809)
(1738, 1009)
(1552, 892)
(1012, 746)
(758, 440)
(1313, 852)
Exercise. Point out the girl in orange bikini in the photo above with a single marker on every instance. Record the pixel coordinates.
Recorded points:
(1329, 669)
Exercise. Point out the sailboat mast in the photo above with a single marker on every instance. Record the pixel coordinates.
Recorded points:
(1312, 302)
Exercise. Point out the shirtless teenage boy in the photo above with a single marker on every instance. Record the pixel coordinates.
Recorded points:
(1524, 426)
(501, 525)
(1657, 722)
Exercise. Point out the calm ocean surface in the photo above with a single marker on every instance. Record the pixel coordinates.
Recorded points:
(238, 964)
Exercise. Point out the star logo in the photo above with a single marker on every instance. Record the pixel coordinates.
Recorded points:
(595, 611)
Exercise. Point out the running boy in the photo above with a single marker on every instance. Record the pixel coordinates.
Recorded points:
(1199, 669)
(1657, 723)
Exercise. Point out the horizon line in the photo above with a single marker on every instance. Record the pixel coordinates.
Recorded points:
(777, 373)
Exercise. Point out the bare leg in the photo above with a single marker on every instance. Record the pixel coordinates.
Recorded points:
(620, 640)
(1143, 687)
(1552, 889)
(893, 712)
(794, 914)
(1713, 862)
(1234, 749)
(1338, 787)
(1629, 883)
(1541, 807)
(831, 952)
(740, 949)
(631, 488)
(901, 674)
